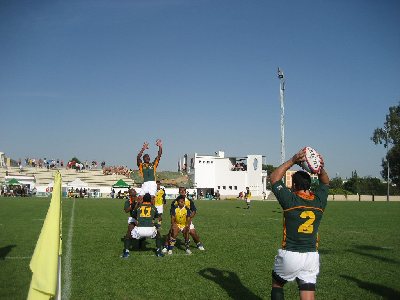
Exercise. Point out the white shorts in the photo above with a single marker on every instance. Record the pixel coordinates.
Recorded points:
(191, 226)
(160, 209)
(131, 220)
(290, 265)
(139, 232)
(148, 187)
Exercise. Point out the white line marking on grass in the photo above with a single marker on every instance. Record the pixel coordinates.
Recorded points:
(18, 257)
(37, 219)
(66, 288)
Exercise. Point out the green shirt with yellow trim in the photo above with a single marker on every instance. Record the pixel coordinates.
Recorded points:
(302, 216)
(146, 213)
(148, 170)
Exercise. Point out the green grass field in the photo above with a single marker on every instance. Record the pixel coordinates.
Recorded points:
(360, 252)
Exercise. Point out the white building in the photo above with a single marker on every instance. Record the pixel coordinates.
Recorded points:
(228, 175)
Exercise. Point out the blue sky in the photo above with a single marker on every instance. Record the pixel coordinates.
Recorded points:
(95, 79)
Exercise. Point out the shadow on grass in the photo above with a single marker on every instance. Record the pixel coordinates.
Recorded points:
(370, 247)
(5, 250)
(230, 282)
(377, 257)
(326, 251)
(378, 289)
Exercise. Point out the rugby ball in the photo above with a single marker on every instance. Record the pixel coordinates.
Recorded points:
(312, 164)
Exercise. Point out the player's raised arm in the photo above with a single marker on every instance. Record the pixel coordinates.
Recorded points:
(139, 156)
(159, 144)
(322, 175)
(279, 172)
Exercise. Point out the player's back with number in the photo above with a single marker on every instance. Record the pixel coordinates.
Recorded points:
(146, 213)
(301, 228)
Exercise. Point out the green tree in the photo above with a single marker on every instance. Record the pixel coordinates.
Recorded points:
(390, 135)
(269, 169)
(352, 185)
(336, 183)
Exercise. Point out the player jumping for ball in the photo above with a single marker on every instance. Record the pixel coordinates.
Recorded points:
(148, 170)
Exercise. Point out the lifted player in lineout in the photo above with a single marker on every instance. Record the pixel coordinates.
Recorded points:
(148, 169)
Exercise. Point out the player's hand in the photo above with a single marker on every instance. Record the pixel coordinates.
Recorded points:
(299, 156)
(158, 143)
(322, 161)
(145, 146)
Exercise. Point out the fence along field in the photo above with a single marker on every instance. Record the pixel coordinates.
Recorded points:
(359, 247)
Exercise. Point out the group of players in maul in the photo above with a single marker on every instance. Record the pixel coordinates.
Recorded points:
(146, 210)
(296, 260)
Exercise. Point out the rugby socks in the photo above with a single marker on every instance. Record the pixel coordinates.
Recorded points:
(158, 243)
(171, 244)
(127, 244)
(277, 294)
(187, 243)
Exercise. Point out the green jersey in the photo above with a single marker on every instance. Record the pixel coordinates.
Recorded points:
(145, 215)
(148, 170)
(302, 214)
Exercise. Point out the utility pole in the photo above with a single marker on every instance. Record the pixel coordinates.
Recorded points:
(282, 94)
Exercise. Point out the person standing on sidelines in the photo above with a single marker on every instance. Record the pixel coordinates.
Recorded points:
(298, 258)
(148, 169)
(247, 197)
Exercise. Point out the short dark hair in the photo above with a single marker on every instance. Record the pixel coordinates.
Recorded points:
(180, 197)
(158, 181)
(147, 197)
(301, 180)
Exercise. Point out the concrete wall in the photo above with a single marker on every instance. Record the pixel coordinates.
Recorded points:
(361, 198)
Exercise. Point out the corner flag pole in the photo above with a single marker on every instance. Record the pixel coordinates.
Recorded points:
(46, 260)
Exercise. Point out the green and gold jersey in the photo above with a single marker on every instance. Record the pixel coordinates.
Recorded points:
(146, 213)
(181, 215)
(302, 215)
(148, 170)
(131, 203)
(160, 197)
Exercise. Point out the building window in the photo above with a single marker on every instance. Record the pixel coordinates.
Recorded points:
(230, 187)
(219, 187)
(224, 187)
(235, 187)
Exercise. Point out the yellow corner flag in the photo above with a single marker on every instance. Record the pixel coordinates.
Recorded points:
(45, 260)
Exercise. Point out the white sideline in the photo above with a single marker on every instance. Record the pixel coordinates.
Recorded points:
(66, 288)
